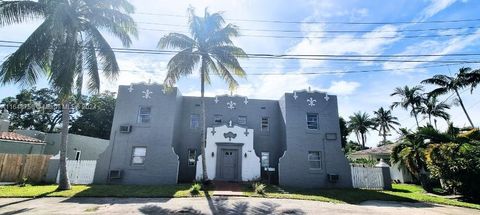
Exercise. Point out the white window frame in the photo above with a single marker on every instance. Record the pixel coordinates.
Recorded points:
(189, 161)
(267, 127)
(192, 125)
(315, 160)
(142, 156)
(262, 160)
(141, 116)
(78, 153)
(309, 122)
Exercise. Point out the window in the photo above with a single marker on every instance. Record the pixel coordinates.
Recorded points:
(138, 155)
(192, 157)
(144, 114)
(242, 120)
(265, 125)
(315, 159)
(265, 159)
(217, 119)
(312, 121)
(194, 121)
(77, 155)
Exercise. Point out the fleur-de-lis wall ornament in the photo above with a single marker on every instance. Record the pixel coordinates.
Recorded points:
(311, 102)
(130, 89)
(147, 94)
(231, 105)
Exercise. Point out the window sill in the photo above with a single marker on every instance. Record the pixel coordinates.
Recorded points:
(315, 171)
(312, 131)
(137, 167)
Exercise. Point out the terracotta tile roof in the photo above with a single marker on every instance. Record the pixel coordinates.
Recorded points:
(11, 136)
(386, 149)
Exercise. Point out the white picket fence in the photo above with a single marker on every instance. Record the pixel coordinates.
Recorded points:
(367, 177)
(80, 172)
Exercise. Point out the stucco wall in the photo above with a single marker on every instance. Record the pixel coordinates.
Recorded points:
(250, 164)
(294, 165)
(161, 162)
(90, 147)
(13, 147)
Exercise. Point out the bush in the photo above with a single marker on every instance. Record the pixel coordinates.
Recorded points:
(195, 189)
(259, 188)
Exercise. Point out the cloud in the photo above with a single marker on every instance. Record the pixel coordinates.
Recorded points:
(433, 8)
(438, 47)
(342, 88)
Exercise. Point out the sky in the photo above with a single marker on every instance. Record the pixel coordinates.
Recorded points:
(395, 24)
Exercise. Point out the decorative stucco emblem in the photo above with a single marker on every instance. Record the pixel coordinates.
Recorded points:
(230, 135)
(216, 100)
(246, 132)
(326, 97)
(245, 101)
(231, 105)
(147, 94)
(311, 102)
(295, 95)
(213, 131)
(230, 123)
(130, 89)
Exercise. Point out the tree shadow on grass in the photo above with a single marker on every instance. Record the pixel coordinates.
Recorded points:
(355, 196)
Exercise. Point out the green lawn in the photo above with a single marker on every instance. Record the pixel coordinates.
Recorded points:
(181, 190)
(400, 192)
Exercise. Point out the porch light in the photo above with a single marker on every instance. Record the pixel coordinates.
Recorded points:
(245, 154)
(213, 154)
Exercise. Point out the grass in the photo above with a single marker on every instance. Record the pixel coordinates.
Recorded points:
(400, 193)
(181, 190)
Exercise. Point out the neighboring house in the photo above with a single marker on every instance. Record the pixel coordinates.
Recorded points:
(398, 173)
(156, 139)
(13, 143)
(79, 147)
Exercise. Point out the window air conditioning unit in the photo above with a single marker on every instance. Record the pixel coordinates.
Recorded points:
(333, 177)
(125, 128)
(115, 174)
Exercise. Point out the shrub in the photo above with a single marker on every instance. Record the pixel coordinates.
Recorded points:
(259, 188)
(195, 189)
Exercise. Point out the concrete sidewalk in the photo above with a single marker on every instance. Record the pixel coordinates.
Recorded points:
(215, 205)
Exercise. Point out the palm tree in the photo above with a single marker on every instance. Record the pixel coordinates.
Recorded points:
(360, 123)
(472, 79)
(384, 122)
(450, 83)
(431, 107)
(66, 47)
(410, 98)
(210, 48)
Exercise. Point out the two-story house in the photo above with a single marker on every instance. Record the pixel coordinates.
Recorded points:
(156, 139)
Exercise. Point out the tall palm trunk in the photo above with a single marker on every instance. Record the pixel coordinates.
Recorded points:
(204, 127)
(463, 107)
(384, 134)
(415, 115)
(64, 183)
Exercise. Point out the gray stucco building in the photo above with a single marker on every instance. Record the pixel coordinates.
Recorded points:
(155, 139)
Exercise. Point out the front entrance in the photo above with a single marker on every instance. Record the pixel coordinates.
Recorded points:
(229, 165)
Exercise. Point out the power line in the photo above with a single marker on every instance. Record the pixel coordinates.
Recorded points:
(333, 37)
(328, 31)
(298, 57)
(324, 22)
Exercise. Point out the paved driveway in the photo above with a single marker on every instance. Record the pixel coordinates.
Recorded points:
(216, 205)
